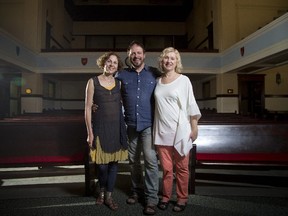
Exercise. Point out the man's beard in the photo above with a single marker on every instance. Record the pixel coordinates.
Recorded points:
(137, 63)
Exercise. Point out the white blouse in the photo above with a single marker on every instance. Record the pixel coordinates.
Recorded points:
(174, 103)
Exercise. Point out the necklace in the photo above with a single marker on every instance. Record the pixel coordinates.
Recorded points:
(108, 80)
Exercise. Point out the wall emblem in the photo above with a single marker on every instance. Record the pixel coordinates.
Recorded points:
(242, 50)
(84, 61)
(17, 50)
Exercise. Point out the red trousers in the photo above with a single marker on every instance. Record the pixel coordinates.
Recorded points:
(169, 157)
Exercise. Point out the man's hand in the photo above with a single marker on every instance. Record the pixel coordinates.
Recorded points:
(94, 107)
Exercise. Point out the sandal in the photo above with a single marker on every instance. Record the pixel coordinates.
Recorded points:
(100, 198)
(179, 207)
(149, 209)
(111, 204)
(163, 205)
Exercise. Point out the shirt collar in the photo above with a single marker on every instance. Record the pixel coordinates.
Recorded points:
(146, 68)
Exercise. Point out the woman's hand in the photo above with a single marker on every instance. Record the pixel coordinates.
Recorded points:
(194, 134)
(194, 128)
(90, 139)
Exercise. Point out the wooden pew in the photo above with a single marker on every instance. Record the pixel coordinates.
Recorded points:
(239, 144)
(46, 139)
(61, 140)
(42, 141)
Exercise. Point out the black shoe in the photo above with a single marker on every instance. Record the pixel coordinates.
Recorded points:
(132, 199)
(150, 209)
(179, 207)
(163, 205)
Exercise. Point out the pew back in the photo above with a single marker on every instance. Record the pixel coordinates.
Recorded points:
(239, 144)
(243, 143)
(40, 141)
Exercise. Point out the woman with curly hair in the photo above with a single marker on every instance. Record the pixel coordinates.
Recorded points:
(105, 126)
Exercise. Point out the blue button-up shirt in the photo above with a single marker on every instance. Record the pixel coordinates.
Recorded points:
(137, 91)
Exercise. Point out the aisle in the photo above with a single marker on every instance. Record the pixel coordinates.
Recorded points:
(60, 191)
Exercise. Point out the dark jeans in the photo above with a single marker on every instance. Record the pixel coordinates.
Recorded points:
(107, 174)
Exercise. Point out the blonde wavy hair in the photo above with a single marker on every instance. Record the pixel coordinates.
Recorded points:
(167, 50)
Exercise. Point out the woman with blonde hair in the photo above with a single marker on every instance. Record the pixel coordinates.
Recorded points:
(175, 127)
